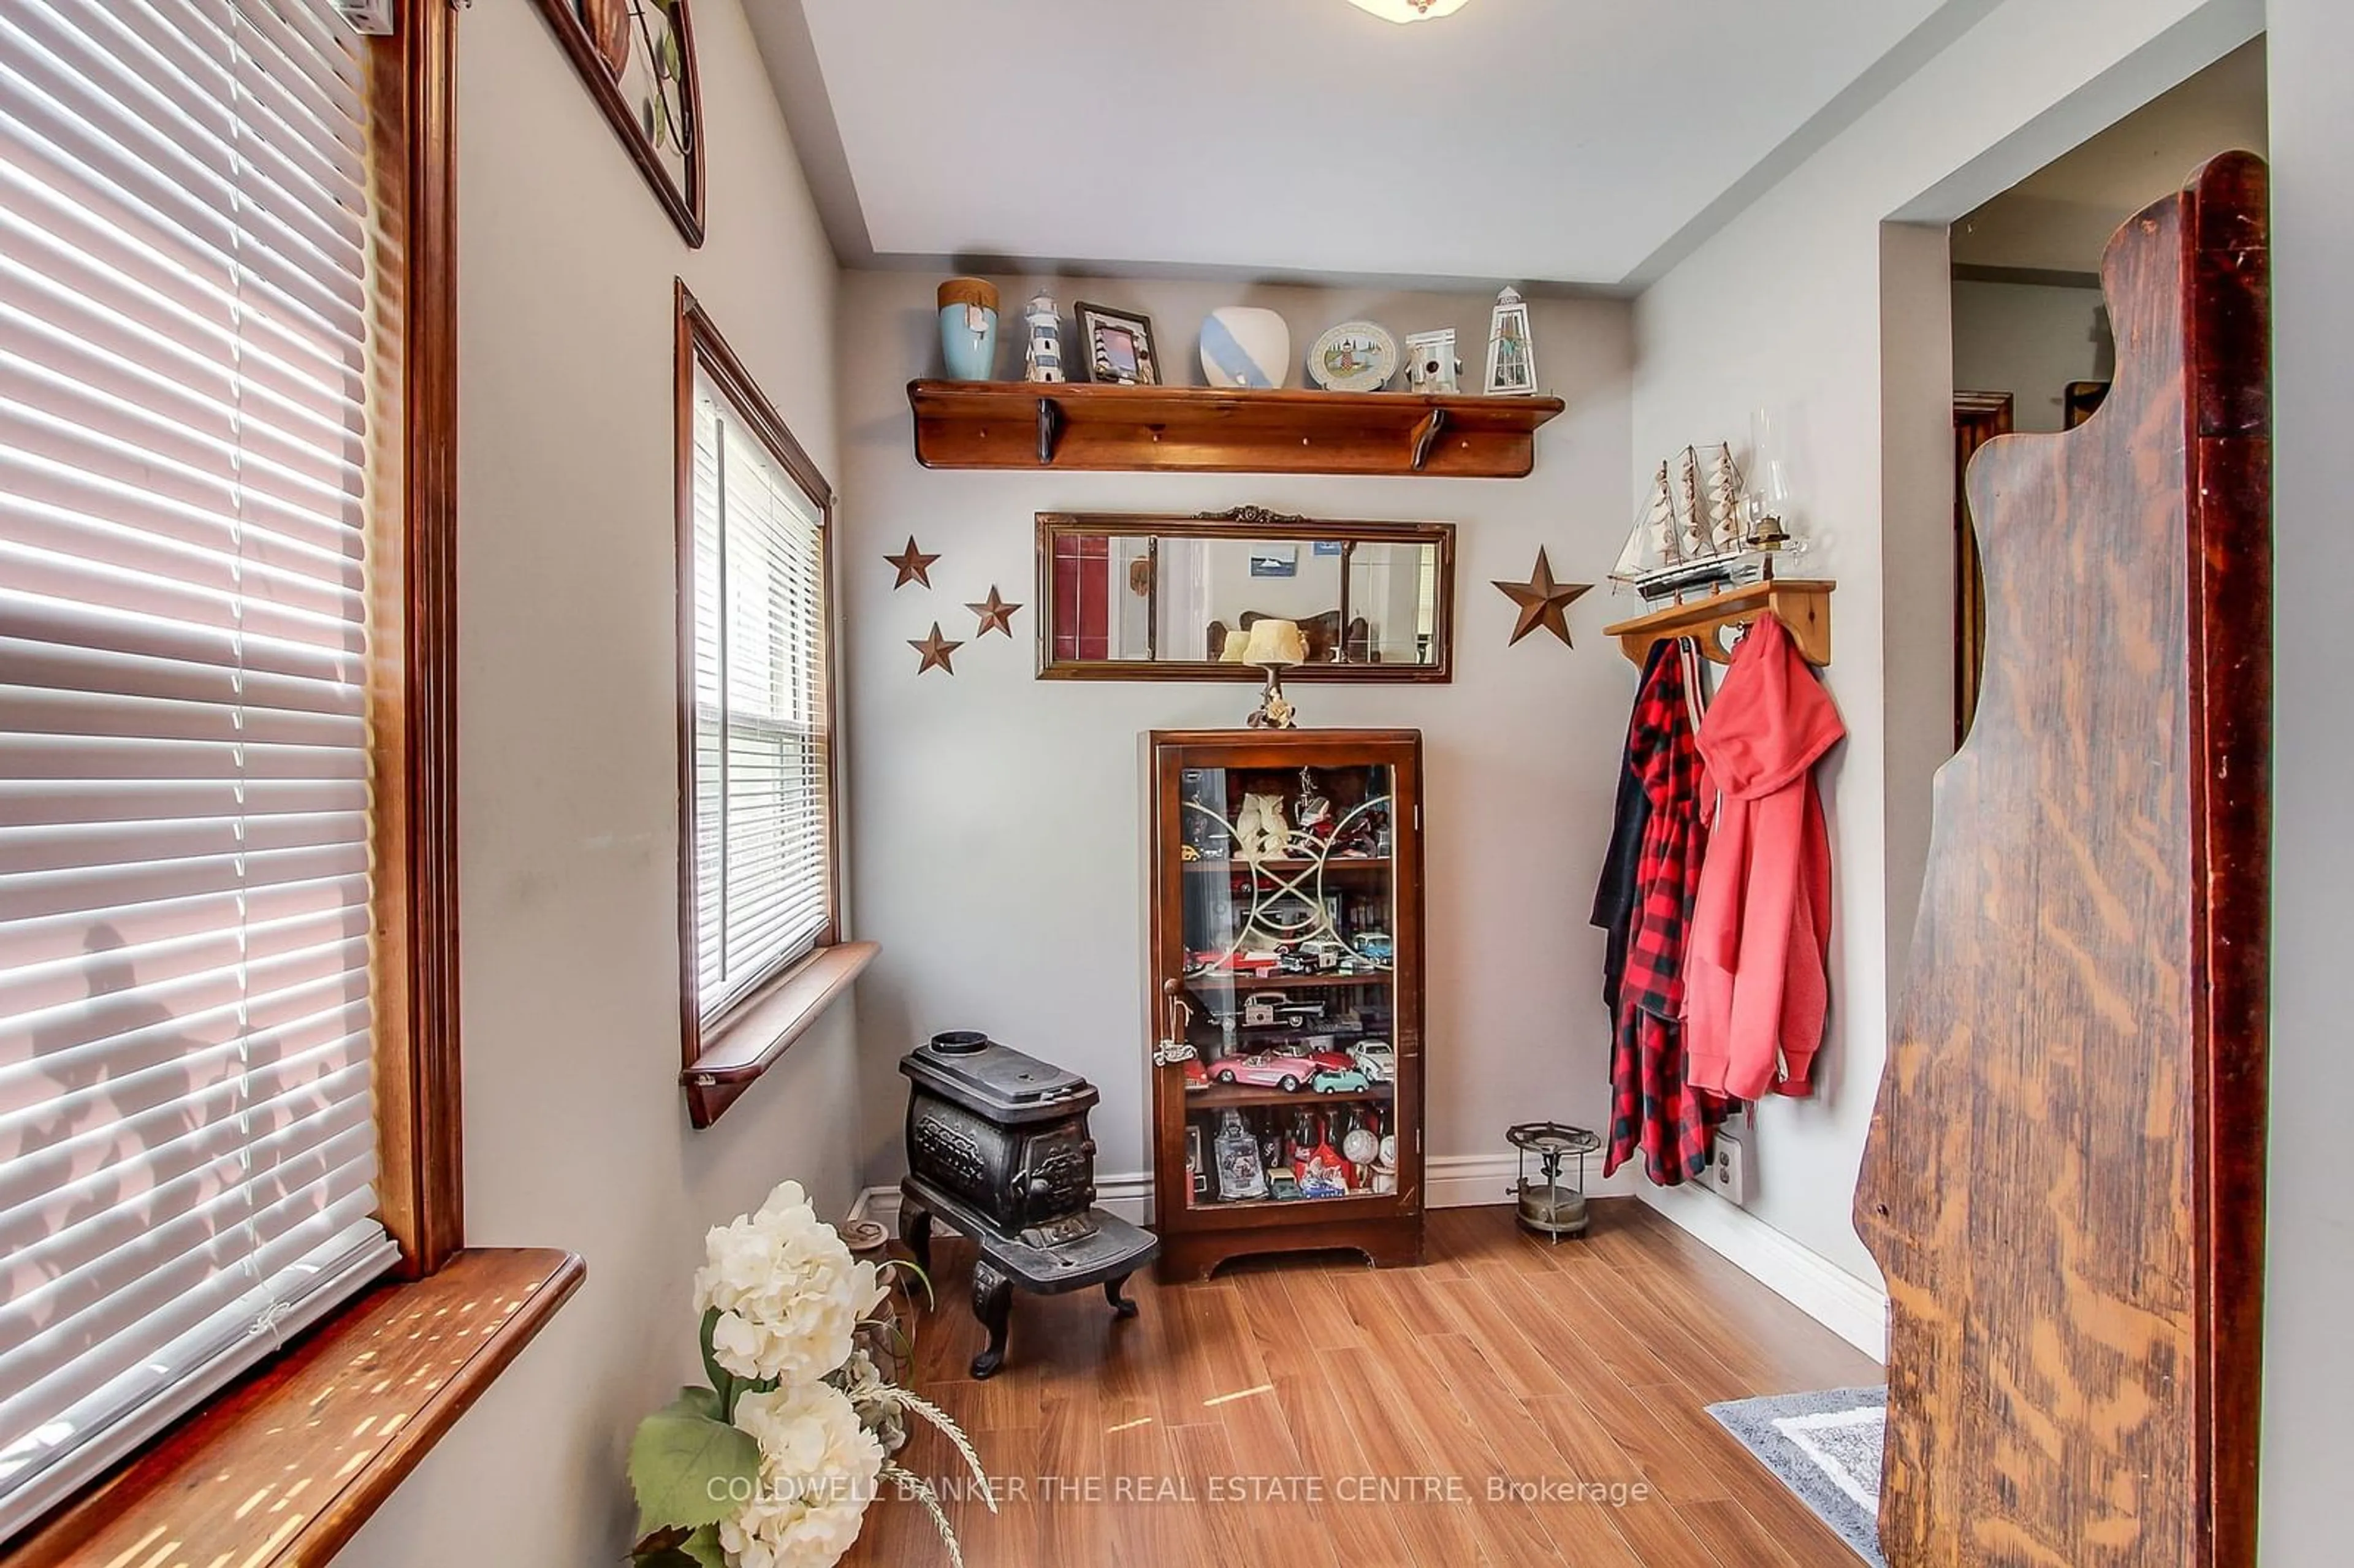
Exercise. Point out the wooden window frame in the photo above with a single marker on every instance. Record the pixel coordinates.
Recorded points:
(419, 1114)
(723, 1055)
(330, 1446)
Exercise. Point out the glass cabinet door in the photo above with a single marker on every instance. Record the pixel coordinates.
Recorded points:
(1289, 987)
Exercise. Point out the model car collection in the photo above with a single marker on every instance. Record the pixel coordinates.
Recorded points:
(1270, 1070)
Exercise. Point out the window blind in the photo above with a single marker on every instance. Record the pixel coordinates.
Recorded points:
(760, 775)
(187, 1141)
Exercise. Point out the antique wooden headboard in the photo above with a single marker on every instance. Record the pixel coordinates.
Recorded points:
(2064, 1183)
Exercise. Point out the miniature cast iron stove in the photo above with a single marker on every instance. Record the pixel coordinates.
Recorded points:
(997, 1146)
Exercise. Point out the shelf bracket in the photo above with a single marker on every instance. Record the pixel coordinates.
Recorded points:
(1050, 430)
(1426, 432)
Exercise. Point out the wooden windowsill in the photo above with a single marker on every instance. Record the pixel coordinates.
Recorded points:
(749, 1044)
(286, 1465)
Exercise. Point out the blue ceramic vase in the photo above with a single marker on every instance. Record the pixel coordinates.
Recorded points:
(968, 328)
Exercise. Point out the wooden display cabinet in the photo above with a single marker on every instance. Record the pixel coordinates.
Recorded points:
(1287, 953)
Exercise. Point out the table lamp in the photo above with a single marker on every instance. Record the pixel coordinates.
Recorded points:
(1275, 646)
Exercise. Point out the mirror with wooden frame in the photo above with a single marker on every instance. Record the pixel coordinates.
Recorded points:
(1128, 596)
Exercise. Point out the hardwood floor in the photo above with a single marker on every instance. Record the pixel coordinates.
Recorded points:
(1507, 1404)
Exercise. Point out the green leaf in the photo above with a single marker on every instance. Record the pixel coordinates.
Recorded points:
(674, 1548)
(688, 1469)
(901, 1265)
(704, 1548)
(722, 1381)
(704, 1401)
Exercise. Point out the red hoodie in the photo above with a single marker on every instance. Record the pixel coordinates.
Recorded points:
(1756, 985)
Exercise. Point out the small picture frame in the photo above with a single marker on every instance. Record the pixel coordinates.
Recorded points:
(1274, 560)
(1119, 346)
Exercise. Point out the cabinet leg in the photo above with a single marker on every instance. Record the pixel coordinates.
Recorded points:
(1119, 1303)
(916, 1230)
(992, 1303)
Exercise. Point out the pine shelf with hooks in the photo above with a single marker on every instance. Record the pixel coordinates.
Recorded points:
(1801, 604)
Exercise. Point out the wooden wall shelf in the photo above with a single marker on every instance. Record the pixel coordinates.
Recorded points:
(1802, 604)
(1209, 429)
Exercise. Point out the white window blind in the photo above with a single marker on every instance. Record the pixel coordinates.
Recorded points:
(187, 1142)
(761, 778)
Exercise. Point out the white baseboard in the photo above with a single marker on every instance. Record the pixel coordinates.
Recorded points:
(1854, 1309)
(1449, 1181)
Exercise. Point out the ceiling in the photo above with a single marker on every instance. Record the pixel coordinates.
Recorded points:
(1541, 140)
(2058, 220)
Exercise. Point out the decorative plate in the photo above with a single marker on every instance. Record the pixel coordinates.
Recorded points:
(1355, 357)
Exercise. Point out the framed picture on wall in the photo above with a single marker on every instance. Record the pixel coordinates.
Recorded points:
(637, 59)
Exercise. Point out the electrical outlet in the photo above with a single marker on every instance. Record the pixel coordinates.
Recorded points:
(1728, 1171)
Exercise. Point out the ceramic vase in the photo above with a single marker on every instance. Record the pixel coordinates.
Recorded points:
(1245, 346)
(969, 328)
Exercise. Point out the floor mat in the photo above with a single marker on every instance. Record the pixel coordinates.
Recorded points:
(1826, 1448)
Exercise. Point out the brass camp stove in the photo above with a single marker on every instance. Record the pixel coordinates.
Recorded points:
(1548, 1205)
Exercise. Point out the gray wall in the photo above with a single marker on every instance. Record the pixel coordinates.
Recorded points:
(576, 1133)
(2308, 1448)
(996, 842)
(2030, 340)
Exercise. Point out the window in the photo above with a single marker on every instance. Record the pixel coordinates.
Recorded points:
(209, 933)
(756, 729)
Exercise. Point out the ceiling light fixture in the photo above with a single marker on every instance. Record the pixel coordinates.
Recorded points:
(1410, 10)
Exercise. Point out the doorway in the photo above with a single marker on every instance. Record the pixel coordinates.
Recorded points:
(2033, 349)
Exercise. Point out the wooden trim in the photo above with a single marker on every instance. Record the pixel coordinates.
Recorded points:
(699, 343)
(1979, 417)
(1250, 524)
(1104, 428)
(685, 207)
(420, 1184)
(2228, 566)
(285, 1467)
(758, 1033)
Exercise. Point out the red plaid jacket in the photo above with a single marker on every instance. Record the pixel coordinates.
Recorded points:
(1652, 1107)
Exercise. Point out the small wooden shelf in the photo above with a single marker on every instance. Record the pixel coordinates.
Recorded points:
(1264, 1205)
(1217, 1097)
(1801, 604)
(1212, 429)
(1292, 983)
(1336, 862)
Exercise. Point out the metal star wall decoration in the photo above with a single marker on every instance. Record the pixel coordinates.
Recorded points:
(1543, 602)
(936, 650)
(996, 615)
(915, 566)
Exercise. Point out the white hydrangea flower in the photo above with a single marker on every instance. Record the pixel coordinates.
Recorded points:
(818, 1473)
(789, 1293)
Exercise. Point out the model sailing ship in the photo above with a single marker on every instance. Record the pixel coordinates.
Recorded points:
(1696, 531)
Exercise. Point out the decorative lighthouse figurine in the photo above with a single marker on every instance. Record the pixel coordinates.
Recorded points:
(1044, 353)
